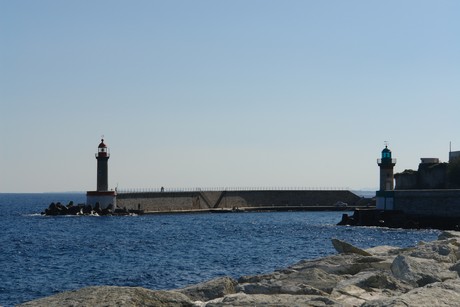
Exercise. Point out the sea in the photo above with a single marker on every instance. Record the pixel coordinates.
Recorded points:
(43, 255)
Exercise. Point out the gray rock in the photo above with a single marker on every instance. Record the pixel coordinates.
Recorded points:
(279, 287)
(456, 268)
(113, 296)
(278, 300)
(344, 247)
(367, 285)
(307, 281)
(419, 272)
(371, 280)
(448, 234)
(209, 290)
(384, 250)
(437, 294)
(441, 251)
(345, 264)
(258, 278)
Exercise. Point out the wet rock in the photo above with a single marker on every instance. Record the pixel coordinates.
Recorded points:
(56, 209)
(83, 209)
(97, 209)
(74, 210)
(87, 209)
(110, 210)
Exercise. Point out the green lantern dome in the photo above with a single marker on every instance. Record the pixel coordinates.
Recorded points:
(386, 153)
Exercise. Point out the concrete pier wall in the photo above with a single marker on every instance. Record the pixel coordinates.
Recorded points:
(441, 203)
(176, 201)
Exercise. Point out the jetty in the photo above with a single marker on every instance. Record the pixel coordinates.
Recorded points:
(243, 200)
(219, 201)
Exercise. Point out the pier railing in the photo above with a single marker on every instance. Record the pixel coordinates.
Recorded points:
(216, 189)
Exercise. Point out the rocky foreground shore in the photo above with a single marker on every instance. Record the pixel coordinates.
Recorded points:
(424, 275)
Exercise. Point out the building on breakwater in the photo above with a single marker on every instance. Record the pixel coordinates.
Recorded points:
(425, 198)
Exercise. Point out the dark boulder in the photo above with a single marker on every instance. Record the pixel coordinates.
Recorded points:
(87, 209)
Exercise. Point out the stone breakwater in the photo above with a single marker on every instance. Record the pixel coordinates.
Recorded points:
(423, 275)
(264, 200)
(400, 219)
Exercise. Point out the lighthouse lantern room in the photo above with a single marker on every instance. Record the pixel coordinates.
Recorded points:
(102, 195)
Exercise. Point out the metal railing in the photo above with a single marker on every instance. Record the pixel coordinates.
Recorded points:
(386, 160)
(217, 189)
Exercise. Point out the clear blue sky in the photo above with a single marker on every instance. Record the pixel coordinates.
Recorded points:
(224, 93)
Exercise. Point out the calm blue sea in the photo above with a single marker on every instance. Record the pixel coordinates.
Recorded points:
(41, 256)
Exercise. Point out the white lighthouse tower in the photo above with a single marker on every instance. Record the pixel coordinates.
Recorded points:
(102, 195)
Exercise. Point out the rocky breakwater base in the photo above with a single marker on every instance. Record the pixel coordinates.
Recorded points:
(82, 209)
(423, 275)
(399, 219)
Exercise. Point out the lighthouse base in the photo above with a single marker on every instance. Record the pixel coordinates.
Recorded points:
(384, 200)
(103, 198)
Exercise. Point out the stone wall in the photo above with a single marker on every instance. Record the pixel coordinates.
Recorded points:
(432, 176)
(172, 201)
(285, 198)
(428, 202)
(428, 176)
(164, 201)
(406, 180)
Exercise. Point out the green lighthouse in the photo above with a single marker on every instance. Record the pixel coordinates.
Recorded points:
(386, 164)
